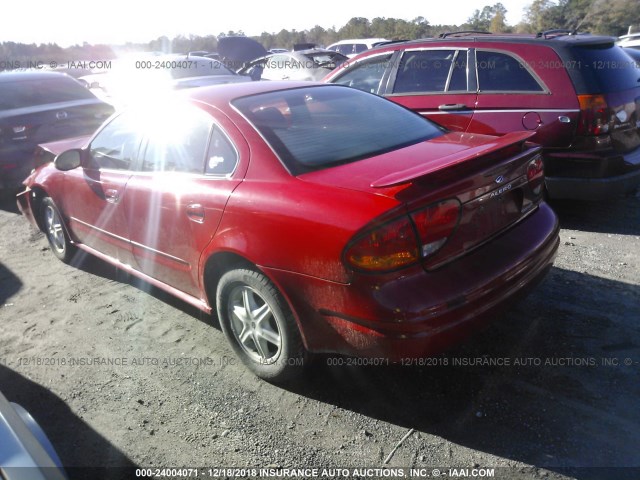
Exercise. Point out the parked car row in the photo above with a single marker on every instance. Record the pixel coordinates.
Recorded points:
(133, 79)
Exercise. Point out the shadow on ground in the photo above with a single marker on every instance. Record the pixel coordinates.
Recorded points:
(597, 216)
(8, 203)
(10, 284)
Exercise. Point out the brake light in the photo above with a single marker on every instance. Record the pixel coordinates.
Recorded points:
(435, 224)
(406, 240)
(595, 116)
(386, 248)
(535, 175)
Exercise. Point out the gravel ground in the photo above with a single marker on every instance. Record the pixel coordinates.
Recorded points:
(121, 375)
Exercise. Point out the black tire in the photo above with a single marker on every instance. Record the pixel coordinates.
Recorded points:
(54, 228)
(250, 306)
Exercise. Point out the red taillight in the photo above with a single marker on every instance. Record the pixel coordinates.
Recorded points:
(595, 116)
(535, 169)
(535, 175)
(395, 244)
(435, 224)
(386, 248)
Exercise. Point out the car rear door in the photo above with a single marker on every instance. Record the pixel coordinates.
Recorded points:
(435, 83)
(530, 92)
(174, 203)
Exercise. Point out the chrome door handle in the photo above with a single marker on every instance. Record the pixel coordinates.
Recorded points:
(195, 212)
(111, 195)
(452, 106)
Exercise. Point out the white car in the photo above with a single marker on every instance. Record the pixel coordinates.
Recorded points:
(631, 40)
(352, 47)
(303, 65)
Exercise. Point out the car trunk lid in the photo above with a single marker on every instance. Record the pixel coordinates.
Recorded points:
(488, 176)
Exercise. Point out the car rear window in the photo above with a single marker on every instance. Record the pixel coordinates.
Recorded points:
(603, 69)
(42, 91)
(313, 128)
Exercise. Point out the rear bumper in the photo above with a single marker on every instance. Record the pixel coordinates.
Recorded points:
(422, 313)
(592, 177)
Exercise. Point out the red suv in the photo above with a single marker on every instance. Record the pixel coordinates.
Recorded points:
(580, 93)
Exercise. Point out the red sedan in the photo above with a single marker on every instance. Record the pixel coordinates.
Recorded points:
(314, 218)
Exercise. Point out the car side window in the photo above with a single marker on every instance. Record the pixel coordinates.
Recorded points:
(222, 156)
(359, 48)
(365, 75)
(458, 82)
(424, 71)
(116, 145)
(345, 48)
(178, 144)
(499, 72)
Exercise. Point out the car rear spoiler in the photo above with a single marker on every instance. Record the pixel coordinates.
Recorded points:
(404, 176)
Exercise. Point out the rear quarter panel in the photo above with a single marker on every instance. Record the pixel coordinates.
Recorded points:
(276, 220)
(498, 113)
(291, 225)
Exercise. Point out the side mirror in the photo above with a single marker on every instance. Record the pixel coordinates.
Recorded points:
(68, 160)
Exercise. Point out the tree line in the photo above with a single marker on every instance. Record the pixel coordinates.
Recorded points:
(607, 17)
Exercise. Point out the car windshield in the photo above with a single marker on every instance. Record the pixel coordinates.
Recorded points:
(317, 127)
(42, 91)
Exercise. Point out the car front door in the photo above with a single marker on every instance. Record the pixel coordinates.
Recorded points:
(95, 192)
(189, 167)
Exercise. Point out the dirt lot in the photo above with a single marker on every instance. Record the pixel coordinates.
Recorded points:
(562, 403)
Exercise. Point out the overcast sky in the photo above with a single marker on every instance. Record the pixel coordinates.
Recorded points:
(69, 22)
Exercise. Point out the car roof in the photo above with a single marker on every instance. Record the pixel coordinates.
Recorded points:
(16, 76)
(222, 95)
(544, 38)
(360, 40)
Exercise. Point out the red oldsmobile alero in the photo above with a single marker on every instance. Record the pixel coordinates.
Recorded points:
(314, 218)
